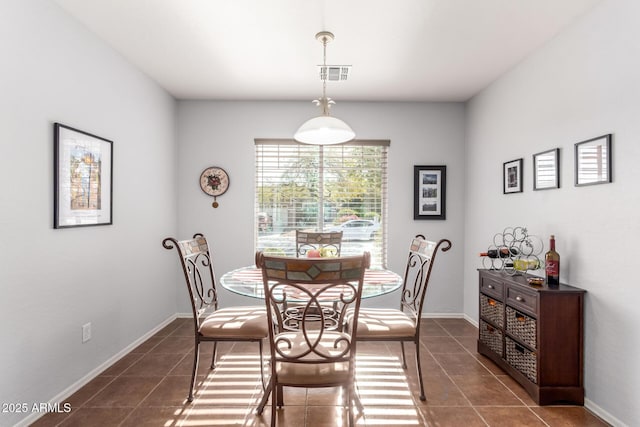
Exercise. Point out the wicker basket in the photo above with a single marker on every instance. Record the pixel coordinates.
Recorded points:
(521, 358)
(522, 327)
(491, 337)
(492, 310)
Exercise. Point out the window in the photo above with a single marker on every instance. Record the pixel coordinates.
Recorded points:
(322, 188)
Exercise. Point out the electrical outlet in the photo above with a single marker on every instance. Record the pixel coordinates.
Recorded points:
(86, 332)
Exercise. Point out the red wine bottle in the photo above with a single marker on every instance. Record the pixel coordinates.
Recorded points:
(552, 263)
(500, 253)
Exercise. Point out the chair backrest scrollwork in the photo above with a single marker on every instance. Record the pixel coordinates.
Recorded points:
(422, 255)
(199, 275)
(304, 324)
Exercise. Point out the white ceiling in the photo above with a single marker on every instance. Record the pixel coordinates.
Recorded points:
(401, 50)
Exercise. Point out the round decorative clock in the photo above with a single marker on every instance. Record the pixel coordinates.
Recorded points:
(214, 181)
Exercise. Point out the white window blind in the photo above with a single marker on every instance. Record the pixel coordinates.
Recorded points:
(322, 188)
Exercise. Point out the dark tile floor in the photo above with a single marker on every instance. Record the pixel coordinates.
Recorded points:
(148, 387)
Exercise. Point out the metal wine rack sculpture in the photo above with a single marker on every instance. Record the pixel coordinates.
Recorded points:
(516, 251)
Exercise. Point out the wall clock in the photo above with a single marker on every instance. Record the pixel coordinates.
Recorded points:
(214, 181)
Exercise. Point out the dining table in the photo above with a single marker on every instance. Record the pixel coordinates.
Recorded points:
(247, 281)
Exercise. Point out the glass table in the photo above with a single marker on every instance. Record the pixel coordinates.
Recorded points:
(247, 281)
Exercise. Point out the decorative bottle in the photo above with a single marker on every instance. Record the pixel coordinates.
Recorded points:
(500, 253)
(552, 263)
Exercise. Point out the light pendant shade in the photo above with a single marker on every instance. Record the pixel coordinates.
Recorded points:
(324, 130)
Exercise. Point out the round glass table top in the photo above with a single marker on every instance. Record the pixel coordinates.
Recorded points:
(247, 281)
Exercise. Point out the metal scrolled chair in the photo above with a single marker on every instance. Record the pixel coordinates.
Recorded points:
(211, 324)
(403, 324)
(315, 352)
(308, 240)
(330, 241)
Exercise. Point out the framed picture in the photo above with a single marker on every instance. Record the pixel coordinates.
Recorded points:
(430, 191)
(593, 161)
(83, 178)
(546, 170)
(512, 176)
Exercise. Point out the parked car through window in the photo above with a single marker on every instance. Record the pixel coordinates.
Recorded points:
(357, 229)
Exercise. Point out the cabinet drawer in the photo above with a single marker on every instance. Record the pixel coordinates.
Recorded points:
(491, 337)
(522, 327)
(522, 299)
(492, 310)
(521, 358)
(491, 287)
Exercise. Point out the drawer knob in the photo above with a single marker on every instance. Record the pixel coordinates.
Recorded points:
(490, 286)
(519, 298)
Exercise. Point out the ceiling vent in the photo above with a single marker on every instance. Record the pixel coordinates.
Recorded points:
(334, 73)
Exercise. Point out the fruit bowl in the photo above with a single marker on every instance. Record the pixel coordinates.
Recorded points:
(535, 281)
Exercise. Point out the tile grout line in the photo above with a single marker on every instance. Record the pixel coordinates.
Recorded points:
(467, 351)
(416, 403)
(133, 409)
(165, 338)
(459, 333)
(496, 377)
(449, 376)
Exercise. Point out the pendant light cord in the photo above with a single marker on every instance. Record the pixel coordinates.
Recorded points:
(324, 74)
(325, 108)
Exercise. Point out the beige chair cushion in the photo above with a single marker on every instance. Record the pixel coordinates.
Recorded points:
(236, 322)
(383, 323)
(312, 373)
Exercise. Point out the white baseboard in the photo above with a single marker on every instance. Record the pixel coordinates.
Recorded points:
(442, 315)
(66, 393)
(450, 316)
(471, 320)
(603, 414)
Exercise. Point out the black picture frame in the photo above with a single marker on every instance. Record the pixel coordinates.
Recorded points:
(593, 164)
(512, 176)
(546, 170)
(430, 192)
(83, 178)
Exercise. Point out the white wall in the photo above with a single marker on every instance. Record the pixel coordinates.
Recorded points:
(222, 134)
(118, 277)
(583, 84)
(52, 281)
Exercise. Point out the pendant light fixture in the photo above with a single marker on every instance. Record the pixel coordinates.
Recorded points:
(324, 129)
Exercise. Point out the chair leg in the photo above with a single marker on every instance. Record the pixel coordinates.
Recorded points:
(404, 357)
(274, 397)
(346, 397)
(213, 357)
(348, 393)
(265, 397)
(264, 385)
(422, 396)
(355, 397)
(196, 357)
(280, 395)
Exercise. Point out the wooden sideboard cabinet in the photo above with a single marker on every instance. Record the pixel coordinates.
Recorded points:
(535, 334)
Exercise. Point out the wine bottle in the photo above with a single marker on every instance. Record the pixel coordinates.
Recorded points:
(524, 264)
(500, 253)
(552, 263)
